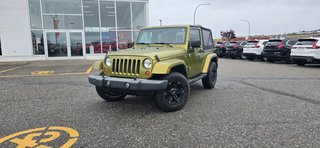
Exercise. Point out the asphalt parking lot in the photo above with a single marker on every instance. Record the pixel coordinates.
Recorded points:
(254, 104)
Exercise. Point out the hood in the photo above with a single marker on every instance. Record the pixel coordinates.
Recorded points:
(162, 52)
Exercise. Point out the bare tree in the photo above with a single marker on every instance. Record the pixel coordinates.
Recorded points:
(229, 35)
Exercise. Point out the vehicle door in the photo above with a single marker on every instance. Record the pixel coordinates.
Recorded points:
(194, 60)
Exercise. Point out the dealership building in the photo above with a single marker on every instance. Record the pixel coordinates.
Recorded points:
(68, 29)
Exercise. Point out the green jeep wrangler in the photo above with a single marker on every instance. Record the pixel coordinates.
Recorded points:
(163, 63)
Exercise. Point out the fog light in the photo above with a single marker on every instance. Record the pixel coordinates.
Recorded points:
(127, 85)
(108, 83)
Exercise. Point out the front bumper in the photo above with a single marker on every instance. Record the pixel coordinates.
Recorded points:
(123, 83)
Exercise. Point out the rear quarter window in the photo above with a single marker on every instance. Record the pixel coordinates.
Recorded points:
(243, 43)
(207, 39)
(290, 42)
(265, 42)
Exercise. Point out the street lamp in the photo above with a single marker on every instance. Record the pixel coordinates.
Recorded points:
(195, 11)
(244, 20)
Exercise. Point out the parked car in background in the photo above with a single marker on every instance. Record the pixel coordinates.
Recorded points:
(253, 49)
(276, 50)
(306, 51)
(235, 50)
(220, 48)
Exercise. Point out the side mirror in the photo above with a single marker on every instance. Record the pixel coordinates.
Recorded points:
(195, 44)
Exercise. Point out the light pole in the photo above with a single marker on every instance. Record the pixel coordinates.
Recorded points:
(160, 22)
(195, 11)
(244, 20)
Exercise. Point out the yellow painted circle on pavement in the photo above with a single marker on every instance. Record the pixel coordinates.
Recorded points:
(41, 137)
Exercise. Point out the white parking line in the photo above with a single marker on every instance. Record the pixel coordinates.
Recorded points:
(9, 69)
(47, 75)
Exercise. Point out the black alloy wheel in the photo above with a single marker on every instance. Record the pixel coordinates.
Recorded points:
(175, 96)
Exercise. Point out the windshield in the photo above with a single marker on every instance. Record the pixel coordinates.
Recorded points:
(162, 35)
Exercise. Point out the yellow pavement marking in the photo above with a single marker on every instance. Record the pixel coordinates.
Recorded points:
(89, 69)
(3, 71)
(28, 138)
(59, 74)
(42, 72)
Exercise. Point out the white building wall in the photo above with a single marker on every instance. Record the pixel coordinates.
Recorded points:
(15, 28)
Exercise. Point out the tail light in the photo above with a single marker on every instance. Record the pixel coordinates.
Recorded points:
(281, 45)
(315, 46)
(257, 46)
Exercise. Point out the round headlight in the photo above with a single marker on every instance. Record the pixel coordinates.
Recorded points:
(147, 63)
(108, 62)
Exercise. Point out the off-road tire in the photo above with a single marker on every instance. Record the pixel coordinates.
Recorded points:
(210, 80)
(175, 96)
(108, 95)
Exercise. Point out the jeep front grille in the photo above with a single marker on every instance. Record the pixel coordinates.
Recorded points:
(126, 66)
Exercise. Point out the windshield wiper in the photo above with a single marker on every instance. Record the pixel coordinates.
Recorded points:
(168, 44)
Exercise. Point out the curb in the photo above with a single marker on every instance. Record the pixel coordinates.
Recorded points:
(14, 63)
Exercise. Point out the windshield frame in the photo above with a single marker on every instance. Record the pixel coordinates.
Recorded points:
(182, 43)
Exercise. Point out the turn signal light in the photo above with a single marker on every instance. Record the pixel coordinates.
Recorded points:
(148, 73)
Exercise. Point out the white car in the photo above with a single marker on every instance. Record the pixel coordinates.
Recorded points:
(253, 49)
(306, 51)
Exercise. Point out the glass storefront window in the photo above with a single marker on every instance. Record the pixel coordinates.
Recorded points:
(37, 42)
(135, 35)
(108, 15)
(123, 15)
(76, 43)
(124, 40)
(62, 22)
(138, 15)
(109, 41)
(35, 14)
(91, 13)
(93, 45)
(100, 27)
(61, 6)
(57, 44)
